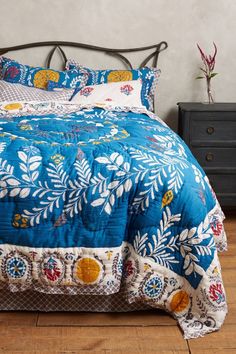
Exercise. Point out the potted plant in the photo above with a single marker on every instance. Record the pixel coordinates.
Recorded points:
(208, 70)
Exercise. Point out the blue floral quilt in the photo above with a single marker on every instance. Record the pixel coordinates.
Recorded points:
(97, 201)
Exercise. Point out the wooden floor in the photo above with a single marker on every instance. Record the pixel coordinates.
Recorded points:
(139, 333)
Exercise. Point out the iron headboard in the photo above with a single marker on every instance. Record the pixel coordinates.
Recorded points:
(114, 52)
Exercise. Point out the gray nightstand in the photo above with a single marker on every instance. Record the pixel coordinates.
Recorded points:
(210, 132)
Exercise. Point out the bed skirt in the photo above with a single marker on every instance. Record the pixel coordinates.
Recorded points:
(35, 301)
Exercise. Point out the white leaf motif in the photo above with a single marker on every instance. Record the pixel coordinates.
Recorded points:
(98, 202)
(113, 184)
(102, 159)
(119, 191)
(14, 192)
(22, 156)
(114, 156)
(35, 158)
(26, 178)
(128, 185)
(112, 200)
(3, 193)
(108, 208)
(24, 192)
(13, 182)
(34, 166)
(119, 160)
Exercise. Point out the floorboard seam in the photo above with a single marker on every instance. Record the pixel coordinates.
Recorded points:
(189, 349)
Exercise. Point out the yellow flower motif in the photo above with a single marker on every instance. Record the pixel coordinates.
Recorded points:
(179, 301)
(167, 198)
(146, 267)
(57, 158)
(88, 270)
(109, 254)
(125, 132)
(20, 222)
(13, 106)
(119, 75)
(68, 283)
(42, 77)
(216, 271)
(26, 127)
(96, 142)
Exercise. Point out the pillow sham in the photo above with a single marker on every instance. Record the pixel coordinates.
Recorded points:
(115, 94)
(149, 77)
(18, 92)
(38, 77)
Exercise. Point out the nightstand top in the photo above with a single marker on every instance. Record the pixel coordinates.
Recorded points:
(207, 107)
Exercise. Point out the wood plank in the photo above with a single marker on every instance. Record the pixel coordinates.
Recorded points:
(128, 339)
(229, 277)
(228, 262)
(231, 316)
(137, 318)
(231, 294)
(223, 339)
(214, 351)
(149, 351)
(231, 250)
(21, 319)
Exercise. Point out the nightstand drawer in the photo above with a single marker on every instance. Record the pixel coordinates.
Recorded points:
(215, 157)
(223, 184)
(218, 128)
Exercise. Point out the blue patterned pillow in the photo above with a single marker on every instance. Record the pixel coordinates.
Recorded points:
(149, 77)
(38, 77)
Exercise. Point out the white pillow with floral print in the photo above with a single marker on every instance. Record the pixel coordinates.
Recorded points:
(117, 94)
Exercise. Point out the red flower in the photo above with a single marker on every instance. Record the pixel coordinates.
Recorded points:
(208, 61)
(216, 227)
(126, 89)
(217, 293)
(12, 72)
(128, 268)
(86, 91)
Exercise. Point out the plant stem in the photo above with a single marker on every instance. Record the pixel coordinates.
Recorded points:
(209, 94)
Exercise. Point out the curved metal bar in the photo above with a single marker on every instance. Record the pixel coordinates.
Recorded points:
(49, 59)
(149, 57)
(159, 47)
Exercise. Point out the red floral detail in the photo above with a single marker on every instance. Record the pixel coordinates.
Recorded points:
(217, 293)
(108, 99)
(86, 91)
(128, 268)
(126, 89)
(216, 227)
(51, 270)
(12, 72)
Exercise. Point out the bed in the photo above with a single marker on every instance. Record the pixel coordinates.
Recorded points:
(102, 206)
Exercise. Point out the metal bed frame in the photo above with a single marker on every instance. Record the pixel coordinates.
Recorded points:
(113, 52)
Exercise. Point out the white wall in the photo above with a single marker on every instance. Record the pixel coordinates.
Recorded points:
(133, 23)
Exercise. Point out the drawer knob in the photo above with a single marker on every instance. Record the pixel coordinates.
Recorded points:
(210, 130)
(209, 156)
